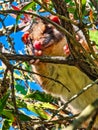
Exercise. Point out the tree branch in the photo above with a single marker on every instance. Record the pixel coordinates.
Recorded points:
(46, 59)
(10, 68)
(79, 63)
(36, 15)
(54, 80)
(76, 96)
(14, 98)
(85, 114)
(11, 29)
(54, 13)
(95, 3)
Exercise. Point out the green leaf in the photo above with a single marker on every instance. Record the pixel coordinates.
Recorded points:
(24, 117)
(67, 1)
(8, 114)
(36, 108)
(27, 66)
(3, 101)
(47, 106)
(6, 124)
(40, 96)
(41, 108)
(26, 7)
(83, 2)
(71, 10)
(75, 14)
(1, 68)
(94, 35)
(83, 6)
(21, 104)
(20, 89)
(17, 76)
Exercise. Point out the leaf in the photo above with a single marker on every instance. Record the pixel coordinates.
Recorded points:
(8, 114)
(27, 66)
(40, 96)
(18, 76)
(1, 68)
(3, 101)
(24, 117)
(48, 106)
(83, 6)
(83, 2)
(6, 124)
(36, 108)
(94, 35)
(21, 104)
(41, 109)
(71, 10)
(91, 16)
(75, 14)
(26, 7)
(67, 1)
(20, 89)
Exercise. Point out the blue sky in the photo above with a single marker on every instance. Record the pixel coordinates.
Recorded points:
(19, 47)
(17, 36)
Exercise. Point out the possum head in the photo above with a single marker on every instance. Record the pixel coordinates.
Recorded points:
(44, 39)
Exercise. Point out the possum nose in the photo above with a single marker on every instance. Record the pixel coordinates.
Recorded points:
(37, 45)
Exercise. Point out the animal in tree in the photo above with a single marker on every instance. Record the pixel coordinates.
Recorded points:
(44, 39)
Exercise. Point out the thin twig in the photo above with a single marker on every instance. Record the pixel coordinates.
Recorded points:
(80, 11)
(57, 60)
(55, 13)
(76, 96)
(10, 68)
(11, 29)
(95, 3)
(5, 75)
(32, 72)
(46, 59)
(60, 28)
(36, 15)
(81, 92)
(92, 120)
(14, 99)
(84, 115)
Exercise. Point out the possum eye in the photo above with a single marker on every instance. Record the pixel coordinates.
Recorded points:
(48, 30)
(25, 37)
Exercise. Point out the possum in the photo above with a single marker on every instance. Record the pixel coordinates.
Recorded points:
(44, 39)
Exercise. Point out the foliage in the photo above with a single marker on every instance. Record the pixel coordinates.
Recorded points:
(45, 110)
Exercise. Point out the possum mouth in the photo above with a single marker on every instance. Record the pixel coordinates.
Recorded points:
(38, 47)
(49, 38)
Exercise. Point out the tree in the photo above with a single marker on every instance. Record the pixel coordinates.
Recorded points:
(16, 73)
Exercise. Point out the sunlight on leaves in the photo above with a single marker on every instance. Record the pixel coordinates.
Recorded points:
(3, 101)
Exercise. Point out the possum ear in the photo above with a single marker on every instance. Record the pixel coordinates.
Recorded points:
(25, 37)
(55, 19)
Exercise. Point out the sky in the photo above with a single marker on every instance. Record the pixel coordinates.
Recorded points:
(19, 47)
